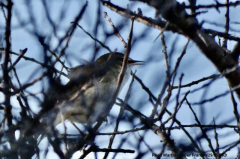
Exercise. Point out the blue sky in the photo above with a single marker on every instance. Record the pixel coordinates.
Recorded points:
(194, 64)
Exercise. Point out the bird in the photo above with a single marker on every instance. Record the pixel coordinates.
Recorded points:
(90, 89)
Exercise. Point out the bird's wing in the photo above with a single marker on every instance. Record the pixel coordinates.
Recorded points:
(81, 78)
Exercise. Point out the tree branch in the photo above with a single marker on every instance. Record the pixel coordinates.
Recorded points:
(175, 14)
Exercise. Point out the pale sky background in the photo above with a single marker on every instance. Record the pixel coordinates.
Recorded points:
(194, 66)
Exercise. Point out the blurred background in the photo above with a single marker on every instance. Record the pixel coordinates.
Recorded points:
(42, 26)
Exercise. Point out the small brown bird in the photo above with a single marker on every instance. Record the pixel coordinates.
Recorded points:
(90, 89)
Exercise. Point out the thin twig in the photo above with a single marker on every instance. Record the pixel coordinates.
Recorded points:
(119, 118)
(224, 42)
(203, 132)
(116, 32)
(212, 99)
(216, 138)
(77, 128)
(174, 114)
(177, 105)
(123, 132)
(161, 32)
(71, 32)
(35, 61)
(144, 87)
(214, 5)
(103, 45)
(22, 52)
(222, 34)
(164, 51)
(29, 84)
(229, 148)
(180, 58)
(198, 81)
(111, 150)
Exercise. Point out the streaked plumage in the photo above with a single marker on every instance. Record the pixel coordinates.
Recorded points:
(90, 89)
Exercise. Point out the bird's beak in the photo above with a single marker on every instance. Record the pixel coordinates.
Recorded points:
(133, 62)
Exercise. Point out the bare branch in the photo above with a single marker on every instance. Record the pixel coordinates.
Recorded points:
(119, 118)
(22, 52)
(216, 138)
(159, 24)
(224, 43)
(104, 46)
(203, 132)
(236, 51)
(6, 78)
(198, 81)
(116, 32)
(233, 4)
(175, 14)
